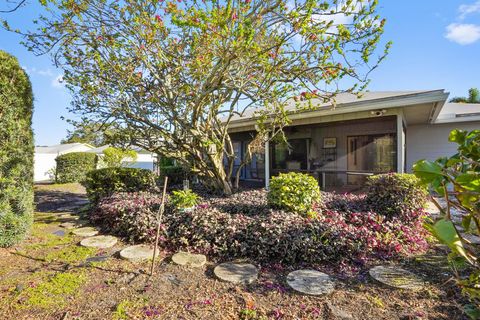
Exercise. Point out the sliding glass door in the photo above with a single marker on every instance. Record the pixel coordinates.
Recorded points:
(370, 154)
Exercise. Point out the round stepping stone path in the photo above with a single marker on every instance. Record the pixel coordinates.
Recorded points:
(311, 282)
(396, 277)
(189, 259)
(85, 232)
(236, 272)
(101, 242)
(137, 253)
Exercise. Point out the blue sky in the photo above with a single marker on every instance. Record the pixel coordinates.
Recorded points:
(436, 45)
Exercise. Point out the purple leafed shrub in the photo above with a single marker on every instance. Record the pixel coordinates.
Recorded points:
(243, 226)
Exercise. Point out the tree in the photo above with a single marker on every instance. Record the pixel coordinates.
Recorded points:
(16, 151)
(173, 74)
(473, 97)
(89, 132)
(115, 157)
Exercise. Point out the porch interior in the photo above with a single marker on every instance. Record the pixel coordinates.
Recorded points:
(340, 155)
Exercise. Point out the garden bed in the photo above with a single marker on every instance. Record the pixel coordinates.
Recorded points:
(345, 231)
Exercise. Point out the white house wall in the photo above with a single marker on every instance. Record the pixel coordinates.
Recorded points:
(144, 161)
(44, 162)
(431, 141)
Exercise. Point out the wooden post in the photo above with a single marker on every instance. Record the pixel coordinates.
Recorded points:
(159, 221)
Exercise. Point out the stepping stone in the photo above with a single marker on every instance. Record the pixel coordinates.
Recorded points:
(137, 253)
(236, 272)
(396, 277)
(59, 233)
(473, 239)
(189, 259)
(311, 282)
(101, 242)
(85, 232)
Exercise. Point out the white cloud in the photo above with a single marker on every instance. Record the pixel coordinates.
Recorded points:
(57, 82)
(463, 33)
(466, 9)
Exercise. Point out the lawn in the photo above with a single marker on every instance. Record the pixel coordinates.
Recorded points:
(49, 276)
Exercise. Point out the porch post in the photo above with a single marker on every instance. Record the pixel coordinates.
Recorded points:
(267, 165)
(400, 144)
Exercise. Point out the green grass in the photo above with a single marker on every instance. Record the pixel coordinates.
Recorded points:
(71, 254)
(54, 291)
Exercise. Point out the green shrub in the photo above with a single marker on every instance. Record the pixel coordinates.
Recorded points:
(175, 174)
(16, 151)
(184, 199)
(295, 192)
(104, 182)
(395, 194)
(73, 167)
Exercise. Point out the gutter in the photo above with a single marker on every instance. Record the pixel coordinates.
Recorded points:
(435, 97)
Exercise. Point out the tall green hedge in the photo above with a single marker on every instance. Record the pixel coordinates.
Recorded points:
(74, 166)
(16, 151)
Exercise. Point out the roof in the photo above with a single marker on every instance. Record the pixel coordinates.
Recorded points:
(459, 112)
(62, 148)
(99, 150)
(347, 102)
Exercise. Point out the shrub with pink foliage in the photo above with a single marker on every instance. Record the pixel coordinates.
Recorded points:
(243, 226)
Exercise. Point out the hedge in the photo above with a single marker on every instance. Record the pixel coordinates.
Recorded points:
(73, 167)
(106, 181)
(16, 151)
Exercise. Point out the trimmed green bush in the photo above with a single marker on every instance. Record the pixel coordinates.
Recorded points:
(16, 151)
(107, 181)
(295, 192)
(73, 167)
(395, 194)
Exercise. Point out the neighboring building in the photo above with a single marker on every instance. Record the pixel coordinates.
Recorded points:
(377, 133)
(45, 158)
(145, 159)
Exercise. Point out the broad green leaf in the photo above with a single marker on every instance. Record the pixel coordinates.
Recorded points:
(445, 232)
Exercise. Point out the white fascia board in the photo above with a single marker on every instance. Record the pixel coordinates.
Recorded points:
(368, 105)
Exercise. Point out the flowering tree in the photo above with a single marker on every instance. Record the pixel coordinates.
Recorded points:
(173, 74)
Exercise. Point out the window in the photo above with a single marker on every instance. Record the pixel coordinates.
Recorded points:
(293, 157)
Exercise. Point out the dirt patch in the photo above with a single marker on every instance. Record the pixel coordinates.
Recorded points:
(49, 268)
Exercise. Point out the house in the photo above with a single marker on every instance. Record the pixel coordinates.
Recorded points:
(44, 158)
(145, 159)
(377, 133)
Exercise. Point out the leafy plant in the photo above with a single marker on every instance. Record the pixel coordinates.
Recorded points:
(116, 157)
(184, 199)
(457, 180)
(295, 192)
(395, 194)
(106, 181)
(229, 228)
(74, 166)
(16, 151)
